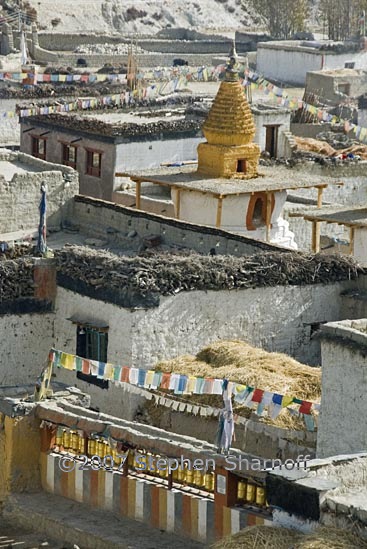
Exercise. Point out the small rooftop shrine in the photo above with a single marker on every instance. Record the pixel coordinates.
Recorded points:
(226, 189)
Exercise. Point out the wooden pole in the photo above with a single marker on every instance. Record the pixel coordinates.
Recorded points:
(351, 240)
(315, 236)
(219, 211)
(268, 215)
(320, 190)
(138, 193)
(178, 203)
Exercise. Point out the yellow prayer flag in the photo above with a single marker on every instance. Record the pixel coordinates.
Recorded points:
(286, 401)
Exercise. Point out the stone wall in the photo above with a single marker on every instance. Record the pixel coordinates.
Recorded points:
(184, 42)
(25, 342)
(20, 197)
(98, 60)
(343, 417)
(325, 85)
(95, 215)
(26, 319)
(309, 130)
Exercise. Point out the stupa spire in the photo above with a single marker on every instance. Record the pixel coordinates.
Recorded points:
(232, 65)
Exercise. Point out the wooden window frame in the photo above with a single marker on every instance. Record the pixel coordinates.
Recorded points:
(66, 155)
(94, 171)
(251, 208)
(35, 147)
(241, 163)
(92, 349)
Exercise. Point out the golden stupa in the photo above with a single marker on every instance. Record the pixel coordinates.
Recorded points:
(229, 130)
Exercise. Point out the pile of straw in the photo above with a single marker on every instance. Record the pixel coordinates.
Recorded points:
(240, 362)
(270, 537)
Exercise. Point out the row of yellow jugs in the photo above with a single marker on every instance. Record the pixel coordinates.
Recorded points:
(70, 440)
(101, 448)
(74, 442)
(192, 477)
(250, 493)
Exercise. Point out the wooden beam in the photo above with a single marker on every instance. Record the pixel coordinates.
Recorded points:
(351, 240)
(178, 203)
(268, 215)
(219, 211)
(138, 194)
(320, 190)
(315, 236)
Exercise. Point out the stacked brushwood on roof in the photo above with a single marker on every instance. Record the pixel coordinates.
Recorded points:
(16, 279)
(94, 125)
(167, 274)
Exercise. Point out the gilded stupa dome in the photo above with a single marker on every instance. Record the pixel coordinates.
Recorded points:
(230, 120)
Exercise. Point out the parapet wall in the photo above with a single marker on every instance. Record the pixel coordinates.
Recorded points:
(97, 60)
(343, 429)
(95, 215)
(171, 40)
(20, 197)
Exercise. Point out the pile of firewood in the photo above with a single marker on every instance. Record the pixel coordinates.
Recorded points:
(169, 274)
(16, 279)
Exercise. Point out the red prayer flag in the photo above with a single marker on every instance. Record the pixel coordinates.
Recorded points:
(166, 378)
(257, 395)
(305, 407)
(85, 366)
(125, 374)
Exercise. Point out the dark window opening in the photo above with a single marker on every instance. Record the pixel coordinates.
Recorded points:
(92, 343)
(256, 211)
(258, 219)
(241, 166)
(94, 163)
(69, 155)
(271, 140)
(344, 87)
(39, 147)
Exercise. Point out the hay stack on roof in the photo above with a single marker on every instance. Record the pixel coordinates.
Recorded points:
(242, 363)
(270, 537)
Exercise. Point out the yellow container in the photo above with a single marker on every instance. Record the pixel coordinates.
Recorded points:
(189, 476)
(151, 465)
(99, 445)
(92, 447)
(198, 479)
(131, 459)
(212, 483)
(241, 490)
(81, 444)
(75, 441)
(105, 448)
(138, 466)
(58, 440)
(208, 481)
(180, 475)
(250, 493)
(260, 496)
(66, 439)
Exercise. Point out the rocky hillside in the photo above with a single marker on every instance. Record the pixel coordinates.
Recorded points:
(142, 16)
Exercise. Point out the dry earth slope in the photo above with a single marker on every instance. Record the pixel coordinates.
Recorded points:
(143, 16)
